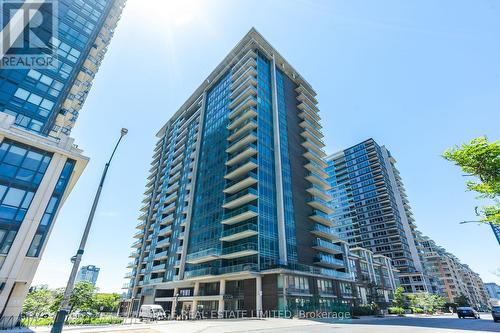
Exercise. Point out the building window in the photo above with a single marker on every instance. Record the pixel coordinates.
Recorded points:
(50, 210)
(21, 170)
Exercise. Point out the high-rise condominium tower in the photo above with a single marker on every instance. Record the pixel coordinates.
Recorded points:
(39, 164)
(235, 213)
(372, 210)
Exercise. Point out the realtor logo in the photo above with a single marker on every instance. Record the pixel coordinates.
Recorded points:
(28, 29)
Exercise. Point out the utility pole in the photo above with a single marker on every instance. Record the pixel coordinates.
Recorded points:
(64, 307)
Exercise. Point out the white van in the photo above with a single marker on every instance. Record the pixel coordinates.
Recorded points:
(152, 312)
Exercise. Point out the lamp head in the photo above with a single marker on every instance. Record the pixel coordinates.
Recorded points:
(123, 132)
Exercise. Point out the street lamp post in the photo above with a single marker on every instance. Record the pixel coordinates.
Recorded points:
(63, 310)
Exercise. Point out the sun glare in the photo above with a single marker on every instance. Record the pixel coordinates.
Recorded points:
(170, 13)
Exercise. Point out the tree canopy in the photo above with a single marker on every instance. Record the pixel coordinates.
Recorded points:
(481, 159)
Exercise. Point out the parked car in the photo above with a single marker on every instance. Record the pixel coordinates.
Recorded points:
(495, 313)
(152, 312)
(467, 311)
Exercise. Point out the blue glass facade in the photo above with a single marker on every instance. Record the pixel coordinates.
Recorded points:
(50, 212)
(35, 96)
(268, 221)
(367, 213)
(21, 171)
(206, 226)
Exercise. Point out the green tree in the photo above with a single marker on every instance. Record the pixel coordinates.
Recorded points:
(430, 303)
(106, 302)
(462, 300)
(82, 297)
(38, 301)
(399, 300)
(481, 159)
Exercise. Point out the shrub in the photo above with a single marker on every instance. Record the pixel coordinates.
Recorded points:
(417, 310)
(363, 310)
(31, 322)
(396, 310)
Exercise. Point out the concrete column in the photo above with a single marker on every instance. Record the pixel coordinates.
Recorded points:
(285, 289)
(174, 302)
(258, 295)
(222, 292)
(196, 293)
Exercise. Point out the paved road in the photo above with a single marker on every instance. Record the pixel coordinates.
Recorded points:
(443, 324)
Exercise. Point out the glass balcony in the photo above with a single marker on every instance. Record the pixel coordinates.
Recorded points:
(132, 264)
(313, 157)
(172, 188)
(179, 249)
(313, 137)
(163, 243)
(170, 208)
(244, 60)
(238, 170)
(304, 91)
(328, 261)
(238, 106)
(306, 100)
(240, 198)
(249, 113)
(245, 153)
(314, 178)
(200, 272)
(324, 232)
(157, 280)
(310, 109)
(137, 244)
(129, 275)
(238, 251)
(311, 145)
(240, 232)
(248, 125)
(249, 81)
(165, 231)
(161, 255)
(141, 225)
(326, 246)
(244, 94)
(177, 263)
(320, 217)
(242, 142)
(317, 169)
(321, 205)
(239, 184)
(134, 254)
(238, 268)
(246, 70)
(139, 234)
(319, 192)
(158, 268)
(203, 256)
(240, 214)
(167, 220)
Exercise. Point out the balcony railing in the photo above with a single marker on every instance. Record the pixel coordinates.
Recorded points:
(240, 249)
(240, 232)
(202, 256)
(240, 214)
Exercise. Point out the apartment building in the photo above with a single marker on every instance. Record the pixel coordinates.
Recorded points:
(372, 210)
(236, 211)
(450, 277)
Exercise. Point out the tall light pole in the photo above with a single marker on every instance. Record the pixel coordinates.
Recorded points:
(63, 310)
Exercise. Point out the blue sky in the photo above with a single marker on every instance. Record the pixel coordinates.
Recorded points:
(418, 76)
